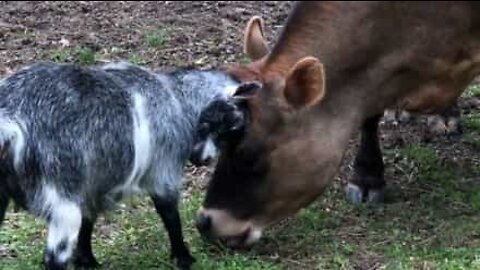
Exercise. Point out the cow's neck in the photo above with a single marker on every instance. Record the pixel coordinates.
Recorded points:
(337, 117)
(312, 30)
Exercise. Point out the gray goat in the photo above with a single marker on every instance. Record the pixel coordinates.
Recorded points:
(74, 140)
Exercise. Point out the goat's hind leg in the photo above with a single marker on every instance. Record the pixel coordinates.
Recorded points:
(3, 205)
(64, 221)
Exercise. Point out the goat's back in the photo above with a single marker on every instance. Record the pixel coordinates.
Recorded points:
(67, 125)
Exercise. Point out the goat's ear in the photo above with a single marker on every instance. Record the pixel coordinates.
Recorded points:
(255, 46)
(305, 83)
(247, 90)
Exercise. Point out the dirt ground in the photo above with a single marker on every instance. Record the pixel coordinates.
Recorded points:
(204, 34)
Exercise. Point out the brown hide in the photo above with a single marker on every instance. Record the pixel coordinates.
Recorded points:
(418, 56)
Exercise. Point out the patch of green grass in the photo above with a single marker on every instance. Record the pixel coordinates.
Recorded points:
(61, 55)
(24, 238)
(434, 229)
(26, 34)
(132, 237)
(136, 59)
(429, 167)
(472, 121)
(441, 258)
(475, 199)
(330, 234)
(155, 38)
(472, 90)
(473, 138)
(85, 56)
(447, 180)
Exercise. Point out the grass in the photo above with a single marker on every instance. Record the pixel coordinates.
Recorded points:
(472, 121)
(61, 55)
(26, 34)
(84, 56)
(439, 176)
(135, 230)
(429, 168)
(136, 59)
(474, 139)
(155, 38)
(473, 90)
(472, 124)
(435, 230)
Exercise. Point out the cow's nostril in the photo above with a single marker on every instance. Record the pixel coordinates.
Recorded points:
(203, 223)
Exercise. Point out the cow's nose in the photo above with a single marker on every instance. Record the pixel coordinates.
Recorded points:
(203, 223)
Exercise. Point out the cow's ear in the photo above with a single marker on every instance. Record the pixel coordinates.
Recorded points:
(305, 83)
(254, 44)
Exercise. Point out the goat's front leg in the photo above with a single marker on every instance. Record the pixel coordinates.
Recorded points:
(84, 257)
(168, 210)
(64, 222)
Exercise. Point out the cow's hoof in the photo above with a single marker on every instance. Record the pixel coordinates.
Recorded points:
(444, 126)
(354, 194)
(376, 196)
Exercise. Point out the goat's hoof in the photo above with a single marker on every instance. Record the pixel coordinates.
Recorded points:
(185, 262)
(86, 262)
(354, 194)
(376, 196)
(52, 265)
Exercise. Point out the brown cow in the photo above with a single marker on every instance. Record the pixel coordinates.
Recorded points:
(418, 56)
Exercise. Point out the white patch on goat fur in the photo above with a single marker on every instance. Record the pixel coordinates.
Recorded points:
(253, 236)
(209, 149)
(64, 225)
(11, 131)
(142, 144)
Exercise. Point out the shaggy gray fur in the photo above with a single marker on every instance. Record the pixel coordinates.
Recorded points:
(67, 134)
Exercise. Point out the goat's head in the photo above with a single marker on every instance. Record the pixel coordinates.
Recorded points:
(221, 122)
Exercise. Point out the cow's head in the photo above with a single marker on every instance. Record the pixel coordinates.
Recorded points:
(268, 161)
